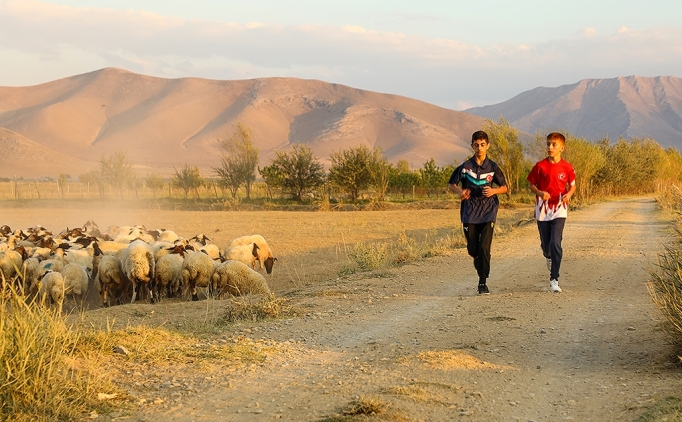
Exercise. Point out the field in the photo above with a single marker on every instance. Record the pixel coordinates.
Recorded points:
(401, 342)
(310, 246)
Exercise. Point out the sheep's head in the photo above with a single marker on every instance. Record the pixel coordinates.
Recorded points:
(268, 263)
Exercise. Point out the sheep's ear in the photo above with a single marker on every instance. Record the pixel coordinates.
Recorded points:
(255, 250)
(95, 247)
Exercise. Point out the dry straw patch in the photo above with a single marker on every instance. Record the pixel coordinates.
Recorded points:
(452, 360)
(424, 392)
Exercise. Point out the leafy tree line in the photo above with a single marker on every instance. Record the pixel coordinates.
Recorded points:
(603, 167)
(360, 172)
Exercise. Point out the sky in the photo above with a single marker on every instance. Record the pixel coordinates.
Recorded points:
(452, 53)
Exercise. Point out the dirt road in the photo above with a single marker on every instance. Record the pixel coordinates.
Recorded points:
(424, 342)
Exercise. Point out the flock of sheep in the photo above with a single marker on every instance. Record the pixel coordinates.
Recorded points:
(128, 263)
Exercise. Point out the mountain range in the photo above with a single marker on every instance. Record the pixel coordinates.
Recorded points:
(629, 107)
(69, 125)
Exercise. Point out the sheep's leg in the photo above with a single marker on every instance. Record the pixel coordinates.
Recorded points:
(151, 293)
(134, 291)
(193, 290)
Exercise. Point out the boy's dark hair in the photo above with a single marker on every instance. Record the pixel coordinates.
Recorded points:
(556, 136)
(478, 135)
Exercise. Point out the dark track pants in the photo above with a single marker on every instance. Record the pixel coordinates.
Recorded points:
(551, 233)
(479, 238)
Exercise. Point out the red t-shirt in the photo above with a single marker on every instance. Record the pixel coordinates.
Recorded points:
(554, 178)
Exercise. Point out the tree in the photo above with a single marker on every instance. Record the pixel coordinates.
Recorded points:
(273, 177)
(587, 159)
(402, 179)
(228, 177)
(154, 182)
(93, 178)
(350, 170)
(379, 170)
(188, 178)
(116, 170)
(506, 150)
(296, 172)
(238, 162)
(61, 182)
(434, 178)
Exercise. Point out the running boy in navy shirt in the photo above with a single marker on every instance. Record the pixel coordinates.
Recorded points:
(478, 210)
(552, 180)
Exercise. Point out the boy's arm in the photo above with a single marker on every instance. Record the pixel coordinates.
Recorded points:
(539, 193)
(462, 193)
(569, 194)
(489, 191)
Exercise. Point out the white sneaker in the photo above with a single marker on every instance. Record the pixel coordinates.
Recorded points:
(549, 264)
(554, 286)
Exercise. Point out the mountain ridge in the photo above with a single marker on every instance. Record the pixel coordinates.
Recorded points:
(165, 123)
(627, 106)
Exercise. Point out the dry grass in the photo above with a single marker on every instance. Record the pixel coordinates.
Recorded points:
(43, 376)
(665, 286)
(248, 308)
(451, 360)
(368, 405)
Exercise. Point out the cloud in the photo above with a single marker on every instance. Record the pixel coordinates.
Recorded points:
(442, 71)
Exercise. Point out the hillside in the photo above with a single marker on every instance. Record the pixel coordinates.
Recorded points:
(162, 123)
(632, 106)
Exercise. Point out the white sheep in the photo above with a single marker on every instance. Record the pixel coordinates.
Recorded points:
(197, 270)
(29, 271)
(52, 288)
(167, 236)
(161, 248)
(138, 265)
(79, 256)
(168, 274)
(10, 263)
(237, 279)
(109, 247)
(248, 254)
(213, 251)
(52, 264)
(76, 281)
(113, 283)
(265, 258)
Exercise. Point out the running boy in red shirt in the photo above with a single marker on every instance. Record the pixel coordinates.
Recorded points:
(552, 180)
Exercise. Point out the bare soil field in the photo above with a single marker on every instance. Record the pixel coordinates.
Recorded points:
(415, 340)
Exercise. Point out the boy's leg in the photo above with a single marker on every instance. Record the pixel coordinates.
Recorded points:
(545, 229)
(556, 251)
(472, 236)
(486, 239)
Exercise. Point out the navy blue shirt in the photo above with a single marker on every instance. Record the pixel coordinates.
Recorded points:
(478, 209)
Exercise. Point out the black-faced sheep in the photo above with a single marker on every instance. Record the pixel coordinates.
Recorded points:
(265, 258)
(138, 265)
(237, 278)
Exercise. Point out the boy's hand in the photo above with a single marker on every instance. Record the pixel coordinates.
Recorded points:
(488, 192)
(545, 196)
(466, 194)
(565, 200)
